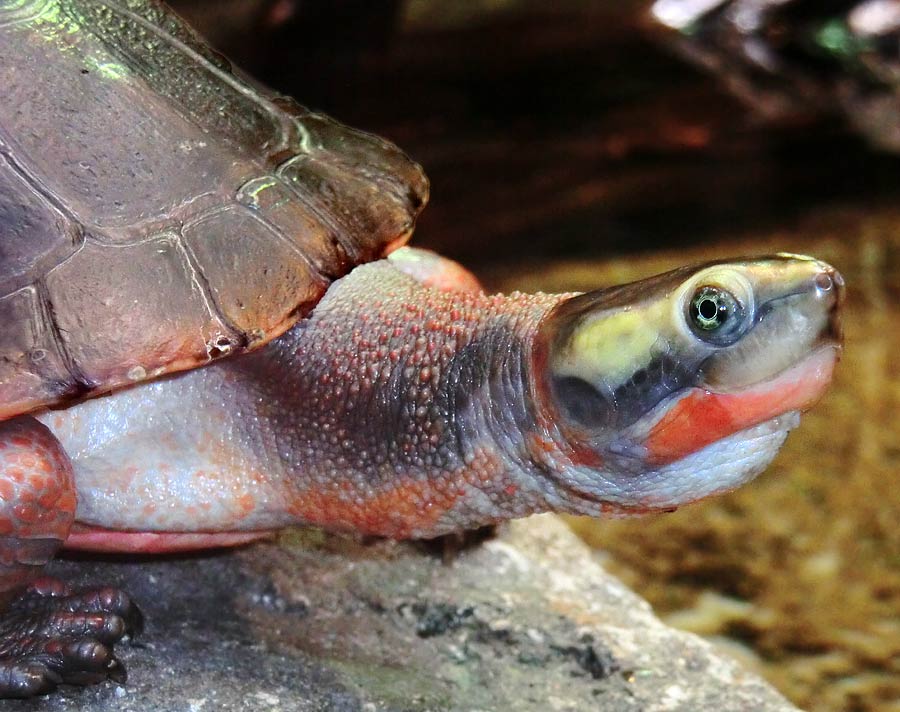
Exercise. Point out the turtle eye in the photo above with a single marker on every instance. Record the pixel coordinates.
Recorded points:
(714, 314)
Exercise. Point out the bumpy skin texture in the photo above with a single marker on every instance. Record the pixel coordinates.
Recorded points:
(384, 412)
(393, 409)
(48, 634)
(353, 420)
(37, 499)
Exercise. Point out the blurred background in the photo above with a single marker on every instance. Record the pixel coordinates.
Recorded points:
(576, 144)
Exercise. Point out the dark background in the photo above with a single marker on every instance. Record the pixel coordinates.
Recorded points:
(547, 129)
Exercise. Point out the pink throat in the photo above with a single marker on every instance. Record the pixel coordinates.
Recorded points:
(703, 417)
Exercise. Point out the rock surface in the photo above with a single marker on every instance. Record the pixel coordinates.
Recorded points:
(526, 620)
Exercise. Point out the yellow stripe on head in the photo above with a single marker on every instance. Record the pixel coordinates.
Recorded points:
(610, 348)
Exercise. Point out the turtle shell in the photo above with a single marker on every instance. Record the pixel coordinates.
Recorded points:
(157, 211)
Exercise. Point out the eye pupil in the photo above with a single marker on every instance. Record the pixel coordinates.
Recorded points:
(711, 308)
(708, 308)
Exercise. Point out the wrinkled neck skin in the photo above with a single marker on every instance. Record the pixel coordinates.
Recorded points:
(416, 417)
(424, 412)
(392, 409)
(563, 469)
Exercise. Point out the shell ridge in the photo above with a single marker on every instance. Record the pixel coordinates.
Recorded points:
(272, 229)
(200, 283)
(80, 384)
(73, 226)
(228, 78)
(291, 126)
(199, 277)
(75, 182)
(325, 216)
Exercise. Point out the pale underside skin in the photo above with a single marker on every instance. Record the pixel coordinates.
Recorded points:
(294, 434)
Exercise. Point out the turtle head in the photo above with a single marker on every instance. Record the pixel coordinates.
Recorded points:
(683, 385)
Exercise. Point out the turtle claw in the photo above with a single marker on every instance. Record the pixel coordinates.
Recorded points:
(111, 604)
(50, 636)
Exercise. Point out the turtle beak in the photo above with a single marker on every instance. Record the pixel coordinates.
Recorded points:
(825, 285)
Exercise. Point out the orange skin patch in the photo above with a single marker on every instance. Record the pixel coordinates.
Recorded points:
(37, 497)
(408, 507)
(432, 270)
(702, 417)
(37, 500)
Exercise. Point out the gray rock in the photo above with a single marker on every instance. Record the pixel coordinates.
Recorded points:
(526, 620)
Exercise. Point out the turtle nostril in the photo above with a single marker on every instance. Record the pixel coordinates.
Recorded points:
(829, 284)
(824, 282)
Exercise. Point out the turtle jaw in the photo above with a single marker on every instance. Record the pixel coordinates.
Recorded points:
(706, 443)
(696, 444)
(695, 419)
(783, 363)
(720, 467)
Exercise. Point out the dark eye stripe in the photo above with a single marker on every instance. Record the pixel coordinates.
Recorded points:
(583, 403)
(622, 405)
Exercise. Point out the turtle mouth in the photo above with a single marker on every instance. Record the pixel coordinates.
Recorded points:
(698, 417)
(719, 467)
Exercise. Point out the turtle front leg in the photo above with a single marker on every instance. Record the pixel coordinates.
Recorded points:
(48, 634)
(435, 271)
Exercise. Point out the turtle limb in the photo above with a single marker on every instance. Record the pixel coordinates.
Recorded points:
(48, 634)
(433, 270)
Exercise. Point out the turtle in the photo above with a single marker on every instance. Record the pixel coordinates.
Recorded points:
(213, 330)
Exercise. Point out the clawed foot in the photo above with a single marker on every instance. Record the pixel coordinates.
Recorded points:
(50, 636)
